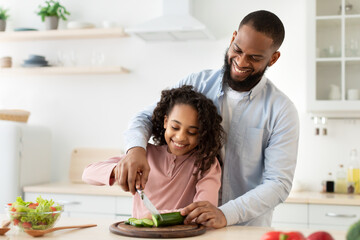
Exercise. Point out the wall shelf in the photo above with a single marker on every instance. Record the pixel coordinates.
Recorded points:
(62, 34)
(65, 70)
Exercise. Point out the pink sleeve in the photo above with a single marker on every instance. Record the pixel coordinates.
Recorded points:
(99, 173)
(207, 188)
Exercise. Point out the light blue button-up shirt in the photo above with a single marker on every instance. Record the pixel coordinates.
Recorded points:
(261, 147)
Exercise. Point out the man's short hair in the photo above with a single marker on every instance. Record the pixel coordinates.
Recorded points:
(267, 23)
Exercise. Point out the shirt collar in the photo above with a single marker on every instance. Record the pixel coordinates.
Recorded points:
(172, 157)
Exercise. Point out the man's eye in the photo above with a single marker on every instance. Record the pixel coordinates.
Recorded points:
(256, 58)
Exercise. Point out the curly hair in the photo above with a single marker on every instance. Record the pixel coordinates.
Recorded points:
(211, 134)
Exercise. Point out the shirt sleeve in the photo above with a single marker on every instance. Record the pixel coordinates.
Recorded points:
(207, 188)
(99, 173)
(279, 166)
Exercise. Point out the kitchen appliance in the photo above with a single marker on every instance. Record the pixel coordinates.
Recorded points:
(25, 154)
(175, 24)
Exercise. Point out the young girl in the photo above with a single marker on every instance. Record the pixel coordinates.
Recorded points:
(188, 135)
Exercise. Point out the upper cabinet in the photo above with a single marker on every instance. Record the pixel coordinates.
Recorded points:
(334, 57)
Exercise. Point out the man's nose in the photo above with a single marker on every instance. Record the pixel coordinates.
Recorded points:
(242, 60)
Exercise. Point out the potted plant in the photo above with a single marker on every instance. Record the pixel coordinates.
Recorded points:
(51, 12)
(3, 17)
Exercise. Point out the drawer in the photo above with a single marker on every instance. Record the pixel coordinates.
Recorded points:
(80, 203)
(291, 213)
(333, 214)
(124, 206)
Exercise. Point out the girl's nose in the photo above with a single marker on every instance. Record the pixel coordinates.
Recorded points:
(180, 136)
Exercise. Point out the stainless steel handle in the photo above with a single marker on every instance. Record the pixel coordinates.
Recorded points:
(69, 202)
(329, 214)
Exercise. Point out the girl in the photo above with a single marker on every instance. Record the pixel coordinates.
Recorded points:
(188, 135)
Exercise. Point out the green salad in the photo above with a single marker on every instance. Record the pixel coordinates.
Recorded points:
(39, 215)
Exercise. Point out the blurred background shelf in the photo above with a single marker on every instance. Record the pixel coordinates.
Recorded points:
(62, 34)
(65, 70)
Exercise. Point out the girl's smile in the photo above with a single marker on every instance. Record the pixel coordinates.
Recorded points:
(181, 129)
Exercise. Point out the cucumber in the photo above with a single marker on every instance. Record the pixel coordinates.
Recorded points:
(168, 219)
(147, 222)
(137, 223)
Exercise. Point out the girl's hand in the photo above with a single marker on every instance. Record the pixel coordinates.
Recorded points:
(204, 213)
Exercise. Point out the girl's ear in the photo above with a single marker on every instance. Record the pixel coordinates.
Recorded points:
(165, 121)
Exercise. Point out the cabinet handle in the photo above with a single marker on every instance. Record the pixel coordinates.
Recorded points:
(69, 202)
(340, 215)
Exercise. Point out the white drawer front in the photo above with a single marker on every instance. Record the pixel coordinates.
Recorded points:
(291, 213)
(80, 203)
(333, 214)
(124, 206)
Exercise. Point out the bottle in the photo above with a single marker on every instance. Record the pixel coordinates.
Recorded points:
(340, 181)
(329, 183)
(353, 175)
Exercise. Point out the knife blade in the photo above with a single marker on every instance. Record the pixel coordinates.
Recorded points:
(148, 203)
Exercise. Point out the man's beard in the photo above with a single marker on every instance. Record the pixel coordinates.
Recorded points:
(244, 85)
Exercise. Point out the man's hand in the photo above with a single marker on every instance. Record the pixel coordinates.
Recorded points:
(133, 170)
(204, 213)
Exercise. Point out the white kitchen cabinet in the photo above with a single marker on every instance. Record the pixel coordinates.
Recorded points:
(78, 205)
(290, 215)
(334, 57)
(315, 216)
(332, 216)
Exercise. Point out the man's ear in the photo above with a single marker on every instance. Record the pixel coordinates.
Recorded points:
(274, 58)
(233, 37)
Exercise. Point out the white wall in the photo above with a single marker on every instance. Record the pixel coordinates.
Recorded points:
(93, 111)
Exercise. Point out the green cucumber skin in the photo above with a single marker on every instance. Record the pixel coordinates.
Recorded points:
(168, 219)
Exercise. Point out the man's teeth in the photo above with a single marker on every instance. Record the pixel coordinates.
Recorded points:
(238, 70)
(178, 145)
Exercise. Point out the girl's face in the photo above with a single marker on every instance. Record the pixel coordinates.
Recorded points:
(181, 129)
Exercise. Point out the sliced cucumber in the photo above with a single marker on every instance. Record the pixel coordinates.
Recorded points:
(147, 222)
(137, 223)
(168, 219)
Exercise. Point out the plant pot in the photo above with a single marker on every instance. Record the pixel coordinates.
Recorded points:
(2, 25)
(51, 22)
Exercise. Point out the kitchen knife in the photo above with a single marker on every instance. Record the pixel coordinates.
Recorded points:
(148, 204)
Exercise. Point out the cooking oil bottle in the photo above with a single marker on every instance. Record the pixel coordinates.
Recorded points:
(341, 181)
(353, 176)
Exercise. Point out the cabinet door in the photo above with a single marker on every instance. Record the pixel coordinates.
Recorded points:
(75, 203)
(124, 206)
(334, 57)
(290, 215)
(332, 216)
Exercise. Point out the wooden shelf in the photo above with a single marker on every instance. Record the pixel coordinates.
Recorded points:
(65, 70)
(62, 34)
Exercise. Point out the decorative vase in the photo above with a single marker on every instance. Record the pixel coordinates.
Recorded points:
(51, 22)
(2, 25)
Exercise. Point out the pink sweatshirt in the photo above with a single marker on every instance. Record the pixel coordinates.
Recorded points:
(171, 184)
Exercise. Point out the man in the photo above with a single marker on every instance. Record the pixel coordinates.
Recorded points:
(262, 129)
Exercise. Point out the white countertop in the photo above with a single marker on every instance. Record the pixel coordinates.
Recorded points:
(102, 231)
(294, 197)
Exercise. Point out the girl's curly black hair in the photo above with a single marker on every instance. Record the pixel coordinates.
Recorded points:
(211, 134)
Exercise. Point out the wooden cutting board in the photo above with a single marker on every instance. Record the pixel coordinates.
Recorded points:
(176, 231)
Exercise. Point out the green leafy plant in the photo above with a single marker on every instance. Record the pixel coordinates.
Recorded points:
(3, 13)
(52, 8)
